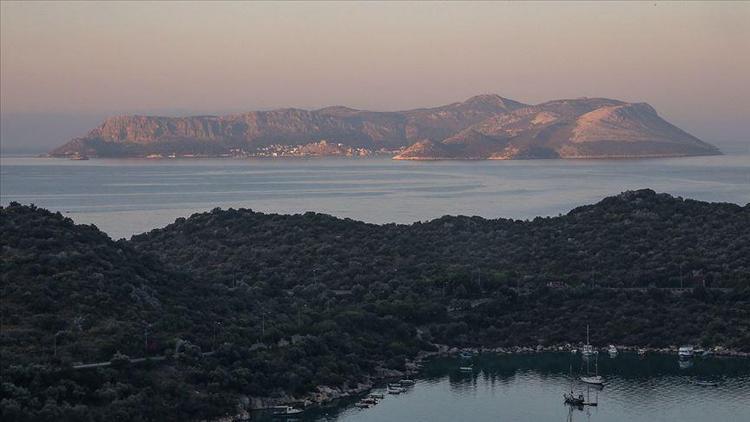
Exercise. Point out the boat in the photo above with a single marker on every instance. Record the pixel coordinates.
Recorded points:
(641, 352)
(393, 389)
(285, 410)
(376, 395)
(466, 354)
(469, 368)
(707, 383)
(686, 352)
(574, 351)
(612, 350)
(407, 382)
(595, 379)
(572, 400)
(578, 401)
(588, 349)
(79, 157)
(366, 402)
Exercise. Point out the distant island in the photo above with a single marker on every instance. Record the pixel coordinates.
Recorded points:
(482, 127)
(231, 310)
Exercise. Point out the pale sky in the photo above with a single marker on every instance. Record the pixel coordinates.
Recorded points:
(63, 63)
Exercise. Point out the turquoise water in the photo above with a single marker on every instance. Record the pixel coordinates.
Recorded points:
(529, 388)
(124, 197)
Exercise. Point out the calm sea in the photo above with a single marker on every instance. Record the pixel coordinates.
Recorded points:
(124, 197)
(529, 388)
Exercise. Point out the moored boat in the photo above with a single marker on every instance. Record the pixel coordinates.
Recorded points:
(395, 389)
(572, 400)
(612, 350)
(588, 349)
(686, 352)
(285, 410)
(595, 379)
(466, 354)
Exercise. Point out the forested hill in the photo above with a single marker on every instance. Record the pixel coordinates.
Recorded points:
(635, 239)
(237, 303)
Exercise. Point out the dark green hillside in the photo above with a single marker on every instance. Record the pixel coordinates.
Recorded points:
(72, 279)
(274, 305)
(71, 286)
(636, 239)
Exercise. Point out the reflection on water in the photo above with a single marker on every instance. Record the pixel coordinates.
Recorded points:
(123, 197)
(530, 388)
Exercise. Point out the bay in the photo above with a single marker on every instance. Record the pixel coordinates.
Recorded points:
(529, 388)
(126, 197)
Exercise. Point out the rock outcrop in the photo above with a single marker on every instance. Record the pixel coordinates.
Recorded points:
(581, 128)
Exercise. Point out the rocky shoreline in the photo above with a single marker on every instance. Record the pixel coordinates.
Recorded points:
(326, 394)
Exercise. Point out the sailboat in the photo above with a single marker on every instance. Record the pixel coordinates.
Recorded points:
(570, 398)
(588, 350)
(596, 379)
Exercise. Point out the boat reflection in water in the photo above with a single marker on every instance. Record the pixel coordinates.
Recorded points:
(685, 363)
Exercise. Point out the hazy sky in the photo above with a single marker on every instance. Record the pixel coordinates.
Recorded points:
(66, 65)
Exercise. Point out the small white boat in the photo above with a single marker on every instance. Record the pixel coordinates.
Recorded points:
(466, 354)
(466, 369)
(286, 410)
(595, 379)
(376, 395)
(641, 352)
(395, 390)
(588, 349)
(686, 352)
(407, 382)
(612, 350)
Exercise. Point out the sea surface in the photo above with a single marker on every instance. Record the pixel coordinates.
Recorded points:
(529, 388)
(125, 197)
